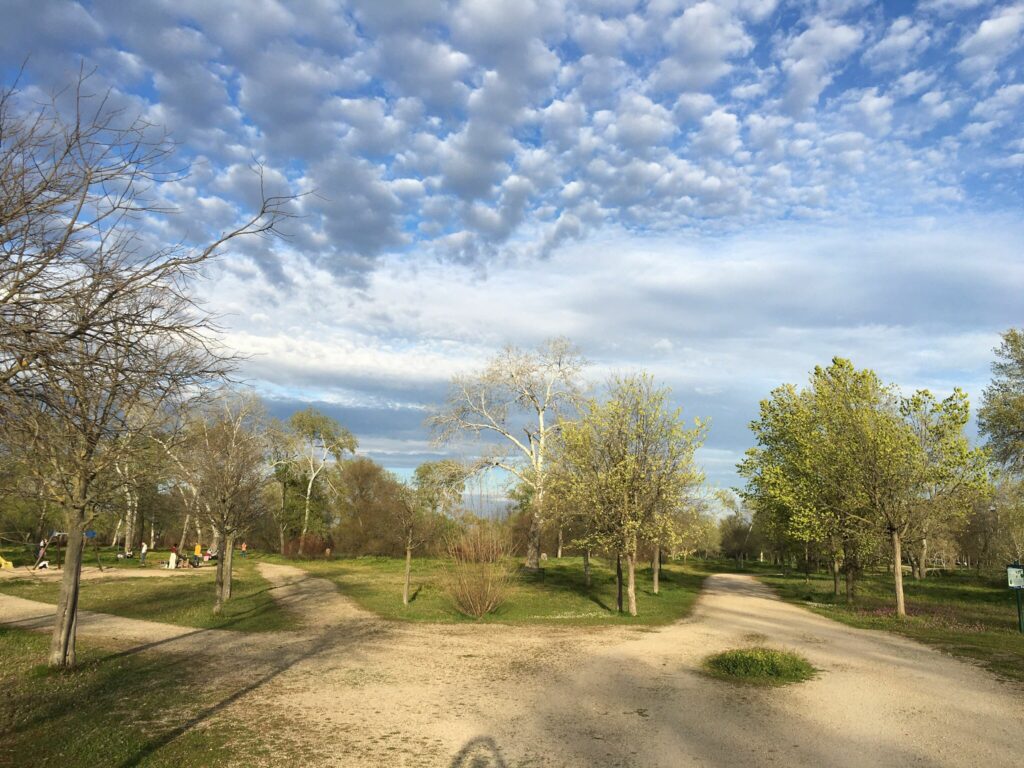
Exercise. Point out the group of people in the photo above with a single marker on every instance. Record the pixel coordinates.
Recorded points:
(199, 557)
(177, 560)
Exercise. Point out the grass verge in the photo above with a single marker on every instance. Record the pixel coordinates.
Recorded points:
(759, 666)
(184, 599)
(963, 613)
(121, 709)
(558, 595)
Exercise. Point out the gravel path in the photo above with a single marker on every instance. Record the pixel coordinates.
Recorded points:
(370, 692)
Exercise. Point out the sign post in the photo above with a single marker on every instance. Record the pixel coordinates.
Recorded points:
(1015, 580)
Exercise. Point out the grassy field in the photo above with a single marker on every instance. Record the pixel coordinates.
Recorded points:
(185, 599)
(106, 556)
(121, 709)
(560, 597)
(971, 616)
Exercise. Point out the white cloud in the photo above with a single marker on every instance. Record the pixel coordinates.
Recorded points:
(903, 42)
(702, 42)
(992, 41)
(809, 58)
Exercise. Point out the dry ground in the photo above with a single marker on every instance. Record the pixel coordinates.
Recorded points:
(367, 692)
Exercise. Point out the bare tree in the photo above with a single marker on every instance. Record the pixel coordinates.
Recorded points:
(519, 393)
(226, 465)
(95, 322)
(320, 439)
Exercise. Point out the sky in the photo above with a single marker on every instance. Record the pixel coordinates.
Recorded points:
(724, 194)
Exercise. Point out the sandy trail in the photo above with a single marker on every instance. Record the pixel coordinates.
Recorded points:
(371, 692)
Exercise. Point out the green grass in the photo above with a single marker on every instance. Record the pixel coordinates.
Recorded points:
(107, 556)
(182, 599)
(759, 666)
(971, 616)
(561, 597)
(120, 709)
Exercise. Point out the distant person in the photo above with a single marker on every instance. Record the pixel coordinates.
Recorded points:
(172, 560)
(245, 548)
(197, 555)
(41, 555)
(142, 554)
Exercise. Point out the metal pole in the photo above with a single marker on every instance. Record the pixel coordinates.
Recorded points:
(1020, 611)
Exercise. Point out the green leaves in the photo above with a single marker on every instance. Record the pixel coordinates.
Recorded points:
(1001, 417)
(628, 465)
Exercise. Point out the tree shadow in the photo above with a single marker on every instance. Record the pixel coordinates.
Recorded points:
(481, 752)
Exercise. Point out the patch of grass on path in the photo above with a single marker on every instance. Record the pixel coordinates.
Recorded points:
(759, 666)
(965, 614)
(184, 599)
(560, 597)
(118, 709)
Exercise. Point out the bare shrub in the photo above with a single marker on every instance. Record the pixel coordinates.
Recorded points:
(480, 572)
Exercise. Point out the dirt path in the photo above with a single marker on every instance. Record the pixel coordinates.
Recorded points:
(370, 692)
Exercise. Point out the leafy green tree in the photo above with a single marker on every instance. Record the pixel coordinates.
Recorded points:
(628, 461)
(1001, 416)
(955, 475)
(848, 460)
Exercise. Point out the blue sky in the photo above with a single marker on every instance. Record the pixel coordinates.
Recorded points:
(723, 193)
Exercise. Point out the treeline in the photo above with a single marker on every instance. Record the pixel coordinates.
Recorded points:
(613, 474)
(849, 473)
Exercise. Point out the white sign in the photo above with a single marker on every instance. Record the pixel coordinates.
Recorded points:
(1015, 578)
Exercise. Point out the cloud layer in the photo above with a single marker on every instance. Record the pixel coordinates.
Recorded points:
(723, 192)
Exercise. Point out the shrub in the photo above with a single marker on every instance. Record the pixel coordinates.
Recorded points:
(314, 547)
(762, 666)
(479, 573)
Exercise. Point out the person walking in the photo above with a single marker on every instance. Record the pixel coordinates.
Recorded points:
(42, 553)
(142, 554)
(197, 555)
(245, 548)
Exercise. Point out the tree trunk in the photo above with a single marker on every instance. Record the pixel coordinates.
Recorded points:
(408, 574)
(305, 515)
(533, 542)
(897, 571)
(656, 569)
(62, 642)
(129, 522)
(117, 531)
(924, 558)
(184, 532)
(631, 582)
(280, 529)
(229, 557)
(618, 581)
(558, 554)
(850, 577)
(218, 604)
(835, 576)
(586, 567)
(152, 534)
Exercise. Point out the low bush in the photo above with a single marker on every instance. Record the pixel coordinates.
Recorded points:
(761, 666)
(480, 573)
